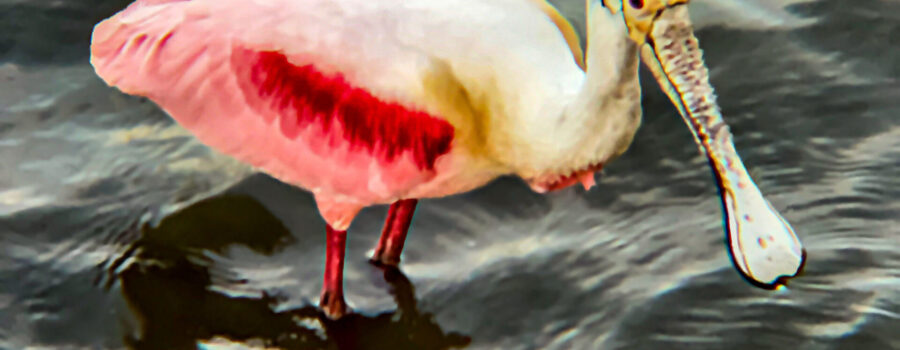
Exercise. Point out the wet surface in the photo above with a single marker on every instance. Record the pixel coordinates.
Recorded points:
(118, 230)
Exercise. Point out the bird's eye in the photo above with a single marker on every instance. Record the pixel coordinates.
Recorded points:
(636, 4)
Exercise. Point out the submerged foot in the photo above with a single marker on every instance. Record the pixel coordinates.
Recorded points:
(382, 259)
(333, 304)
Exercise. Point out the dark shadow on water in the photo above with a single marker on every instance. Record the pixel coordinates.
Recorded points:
(45, 31)
(166, 282)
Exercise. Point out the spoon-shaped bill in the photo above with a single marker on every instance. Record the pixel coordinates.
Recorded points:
(763, 245)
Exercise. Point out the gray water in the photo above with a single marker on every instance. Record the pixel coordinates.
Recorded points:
(118, 230)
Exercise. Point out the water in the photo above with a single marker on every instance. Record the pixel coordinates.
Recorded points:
(118, 230)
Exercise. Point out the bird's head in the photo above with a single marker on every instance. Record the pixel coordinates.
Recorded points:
(641, 14)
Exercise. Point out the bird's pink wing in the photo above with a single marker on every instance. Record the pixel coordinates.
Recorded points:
(232, 73)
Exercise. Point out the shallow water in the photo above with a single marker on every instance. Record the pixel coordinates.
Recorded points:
(118, 230)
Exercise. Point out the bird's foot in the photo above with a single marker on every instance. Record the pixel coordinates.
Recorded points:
(384, 259)
(333, 304)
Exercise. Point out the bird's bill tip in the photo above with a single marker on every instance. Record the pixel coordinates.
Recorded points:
(780, 283)
(762, 244)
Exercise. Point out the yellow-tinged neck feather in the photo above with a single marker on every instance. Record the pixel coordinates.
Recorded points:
(566, 29)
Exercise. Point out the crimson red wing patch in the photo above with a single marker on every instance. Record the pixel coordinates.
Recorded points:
(299, 96)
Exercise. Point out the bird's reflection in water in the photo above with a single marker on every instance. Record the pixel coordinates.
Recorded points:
(166, 281)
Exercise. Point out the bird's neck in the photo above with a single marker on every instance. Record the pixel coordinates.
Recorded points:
(611, 57)
(557, 124)
(599, 122)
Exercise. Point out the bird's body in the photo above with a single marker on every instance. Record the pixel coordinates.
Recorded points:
(372, 102)
(520, 110)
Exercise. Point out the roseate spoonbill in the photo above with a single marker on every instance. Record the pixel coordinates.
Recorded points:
(374, 102)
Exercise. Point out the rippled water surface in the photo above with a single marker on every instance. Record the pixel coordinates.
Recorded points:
(118, 230)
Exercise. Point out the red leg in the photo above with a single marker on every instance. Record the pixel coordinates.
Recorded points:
(332, 299)
(390, 245)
